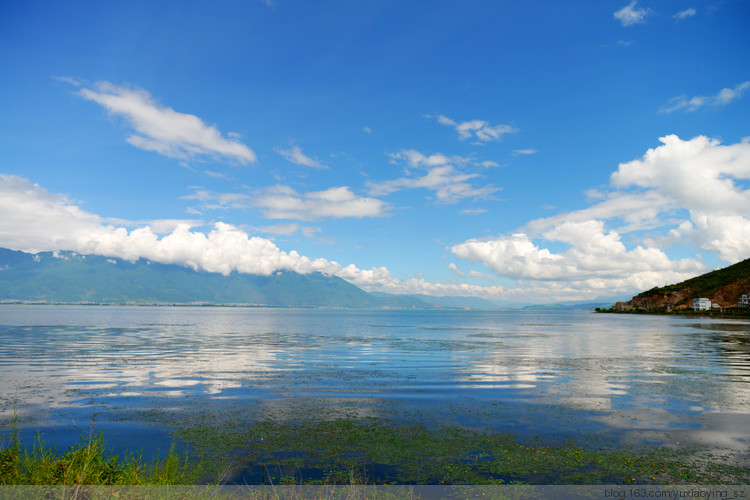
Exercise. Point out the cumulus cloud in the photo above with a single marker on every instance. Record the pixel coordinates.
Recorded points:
(630, 15)
(35, 220)
(442, 177)
(700, 178)
(294, 154)
(477, 129)
(283, 202)
(164, 130)
(638, 211)
(722, 98)
(705, 178)
(596, 259)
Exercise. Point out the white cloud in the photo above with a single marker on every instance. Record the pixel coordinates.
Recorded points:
(164, 130)
(630, 15)
(638, 211)
(218, 175)
(283, 202)
(722, 98)
(367, 130)
(707, 179)
(69, 80)
(448, 183)
(34, 220)
(472, 211)
(416, 159)
(284, 229)
(684, 14)
(594, 194)
(596, 258)
(700, 178)
(290, 228)
(524, 151)
(294, 154)
(210, 200)
(698, 174)
(310, 231)
(454, 269)
(479, 129)
(477, 274)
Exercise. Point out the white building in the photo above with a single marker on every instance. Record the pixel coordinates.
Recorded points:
(702, 304)
(745, 300)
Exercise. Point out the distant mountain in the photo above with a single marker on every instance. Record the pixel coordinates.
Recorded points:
(420, 301)
(392, 301)
(458, 302)
(72, 278)
(568, 306)
(723, 286)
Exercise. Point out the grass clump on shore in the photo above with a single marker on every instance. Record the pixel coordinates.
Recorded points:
(87, 463)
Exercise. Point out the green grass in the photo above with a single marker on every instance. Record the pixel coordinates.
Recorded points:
(88, 463)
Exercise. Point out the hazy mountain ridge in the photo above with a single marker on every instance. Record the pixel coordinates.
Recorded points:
(723, 286)
(68, 277)
(568, 306)
(435, 302)
(71, 278)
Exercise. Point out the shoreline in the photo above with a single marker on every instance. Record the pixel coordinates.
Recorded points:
(663, 312)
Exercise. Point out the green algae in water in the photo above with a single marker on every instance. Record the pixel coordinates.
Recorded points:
(368, 451)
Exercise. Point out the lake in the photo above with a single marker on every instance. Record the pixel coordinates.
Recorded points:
(138, 372)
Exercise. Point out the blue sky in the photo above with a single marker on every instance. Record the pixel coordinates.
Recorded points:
(517, 151)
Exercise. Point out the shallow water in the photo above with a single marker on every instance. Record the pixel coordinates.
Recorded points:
(136, 371)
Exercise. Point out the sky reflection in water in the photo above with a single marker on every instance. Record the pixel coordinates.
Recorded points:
(557, 375)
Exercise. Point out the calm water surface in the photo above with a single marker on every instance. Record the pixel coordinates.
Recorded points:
(554, 375)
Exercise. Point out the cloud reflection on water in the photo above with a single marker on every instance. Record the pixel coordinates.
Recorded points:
(633, 378)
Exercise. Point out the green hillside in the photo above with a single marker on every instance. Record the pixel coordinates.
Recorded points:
(708, 284)
(70, 278)
(723, 287)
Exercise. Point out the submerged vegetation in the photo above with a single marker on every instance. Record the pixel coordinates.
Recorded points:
(370, 451)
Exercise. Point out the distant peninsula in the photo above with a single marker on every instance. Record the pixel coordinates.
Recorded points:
(723, 287)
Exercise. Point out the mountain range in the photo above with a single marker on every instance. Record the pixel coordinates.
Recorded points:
(68, 277)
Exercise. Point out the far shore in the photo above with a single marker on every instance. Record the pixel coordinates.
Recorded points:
(681, 312)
